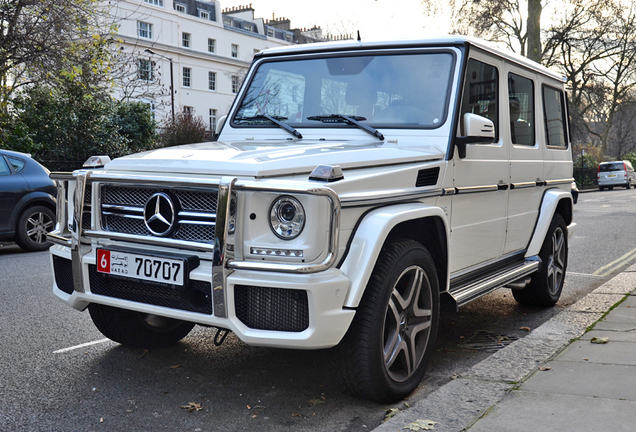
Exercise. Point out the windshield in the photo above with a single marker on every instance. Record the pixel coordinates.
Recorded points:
(403, 91)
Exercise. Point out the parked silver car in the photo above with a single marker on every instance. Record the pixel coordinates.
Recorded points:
(617, 173)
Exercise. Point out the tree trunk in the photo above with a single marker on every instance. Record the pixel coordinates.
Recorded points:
(534, 30)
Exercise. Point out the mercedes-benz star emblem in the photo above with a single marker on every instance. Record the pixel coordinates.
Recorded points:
(159, 214)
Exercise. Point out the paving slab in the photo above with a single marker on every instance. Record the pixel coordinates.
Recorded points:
(452, 407)
(630, 302)
(565, 326)
(596, 303)
(585, 379)
(617, 353)
(623, 283)
(523, 411)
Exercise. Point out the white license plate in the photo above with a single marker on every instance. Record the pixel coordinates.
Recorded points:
(144, 267)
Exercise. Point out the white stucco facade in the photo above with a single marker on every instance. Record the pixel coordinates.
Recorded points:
(210, 52)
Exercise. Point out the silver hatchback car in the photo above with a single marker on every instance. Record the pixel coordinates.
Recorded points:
(617, 173)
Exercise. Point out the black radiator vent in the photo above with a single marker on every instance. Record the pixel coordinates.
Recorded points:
(427, 177)
(277, 309)
(196, 296)
(63, 270)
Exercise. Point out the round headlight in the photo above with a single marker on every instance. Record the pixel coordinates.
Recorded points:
(287, 217)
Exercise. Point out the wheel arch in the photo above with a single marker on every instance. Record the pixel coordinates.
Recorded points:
(554, 201)
(29, 200)
(423, 223)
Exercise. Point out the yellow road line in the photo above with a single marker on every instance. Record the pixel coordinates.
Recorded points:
(607, 269)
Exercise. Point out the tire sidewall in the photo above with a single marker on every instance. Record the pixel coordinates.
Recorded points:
(22, 238)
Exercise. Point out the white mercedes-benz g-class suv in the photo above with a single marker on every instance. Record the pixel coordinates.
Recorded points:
(354, 190)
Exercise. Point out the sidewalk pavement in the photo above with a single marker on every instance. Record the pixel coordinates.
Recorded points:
(554, 379)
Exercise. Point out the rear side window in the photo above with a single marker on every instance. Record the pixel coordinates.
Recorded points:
(4, 168)
(18, 164)
(616, 166)
(554, 116)
(521, 105)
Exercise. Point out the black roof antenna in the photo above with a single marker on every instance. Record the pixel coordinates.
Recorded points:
(359, 38)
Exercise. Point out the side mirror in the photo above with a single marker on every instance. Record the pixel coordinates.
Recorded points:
(478, 129)
(220, 123)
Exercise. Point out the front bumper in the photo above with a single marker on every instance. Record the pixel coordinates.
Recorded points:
(263, 308)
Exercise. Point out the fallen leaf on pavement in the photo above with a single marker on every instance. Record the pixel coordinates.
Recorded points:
(390, 413)
(175, 367)
(316, 401)
(598, 340)
(421, 425)
(524, 328)
(192, 406)
(544, 368)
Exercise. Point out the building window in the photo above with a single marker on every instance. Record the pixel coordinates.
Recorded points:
(211, 45)
(185, 40)
(248, 27)
(212, 120)
(154, 2)
(204, 14)
(234, 50)
(235, 84)
(227, 22)
(188, 110)
(270, 32)
(179, 7)
(212, 81)
(144, 30)
(144, 70)
(187, 75)
(288, 37)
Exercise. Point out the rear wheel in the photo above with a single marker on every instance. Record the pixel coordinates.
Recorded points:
(385, 351)
(601, 188)
(546, 284)
(136, 329)
(628, 185)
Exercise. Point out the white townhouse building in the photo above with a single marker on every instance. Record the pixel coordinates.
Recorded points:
(209, 49)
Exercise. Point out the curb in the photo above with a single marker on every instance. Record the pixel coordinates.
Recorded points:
(460, 403)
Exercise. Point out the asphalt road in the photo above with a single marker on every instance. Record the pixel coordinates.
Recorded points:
(48, 382)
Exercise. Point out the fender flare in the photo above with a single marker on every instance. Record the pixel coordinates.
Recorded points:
(370, 237)
(551, 199)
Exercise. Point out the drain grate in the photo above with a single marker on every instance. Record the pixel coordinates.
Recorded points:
(486, 341)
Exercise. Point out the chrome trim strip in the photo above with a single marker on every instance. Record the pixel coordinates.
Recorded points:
(197, 215)
(449, 191)
(62, 176)
(476, 189)
(151, 241)
(123, 215)
(220, 270)
(129, 209)
(558, 182)
(524, 185)
(194, 222)
(78, 247)
(372, 198)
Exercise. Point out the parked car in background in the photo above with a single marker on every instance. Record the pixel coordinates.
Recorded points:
(27, 201)
(617, 173)
(575, 193)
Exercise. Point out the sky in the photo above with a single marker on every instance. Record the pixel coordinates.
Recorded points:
(375, 19)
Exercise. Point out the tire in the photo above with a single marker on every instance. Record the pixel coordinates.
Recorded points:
(136, 329)
(33, 224)
(628, 185)
(384, 354)
(601, 188)
(546, 284)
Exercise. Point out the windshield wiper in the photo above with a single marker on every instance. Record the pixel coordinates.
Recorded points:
(354, 120)
(276, 120)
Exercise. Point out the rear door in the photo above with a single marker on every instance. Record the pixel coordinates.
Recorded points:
(12, 188)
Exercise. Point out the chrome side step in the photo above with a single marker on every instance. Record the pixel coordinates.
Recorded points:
(472, 290)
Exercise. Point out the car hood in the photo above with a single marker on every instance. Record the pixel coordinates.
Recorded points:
(271, 158)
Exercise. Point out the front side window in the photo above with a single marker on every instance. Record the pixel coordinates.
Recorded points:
(554, 117)
(521, 106)
(185, 40)
(212, 81)
(144, 30)
(481, 92)
(211, 45)
(234, 50)
(397, 90)
(187, 77)
(144, 70)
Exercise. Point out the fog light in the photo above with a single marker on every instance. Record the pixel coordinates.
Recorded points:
(276, 252)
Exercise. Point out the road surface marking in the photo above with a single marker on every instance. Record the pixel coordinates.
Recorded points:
(625, 259)
(583, 274)
(63, 350)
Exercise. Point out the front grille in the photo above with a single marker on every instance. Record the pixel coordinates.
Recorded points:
(63, 270)
(194, 297)
(277, 309)
(122, 211)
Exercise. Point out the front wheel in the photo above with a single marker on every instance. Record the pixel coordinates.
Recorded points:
(385, 351)
(33, 224)
(546, 284)
(136, 329)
